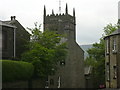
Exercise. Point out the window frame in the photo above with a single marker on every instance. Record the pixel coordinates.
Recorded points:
(114, 45)
(107, 72)
(107, 46)
(115, 72)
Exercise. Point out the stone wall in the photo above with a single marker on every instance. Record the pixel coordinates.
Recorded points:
(112, 58)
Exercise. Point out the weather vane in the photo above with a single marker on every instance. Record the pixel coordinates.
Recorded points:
(59, 6)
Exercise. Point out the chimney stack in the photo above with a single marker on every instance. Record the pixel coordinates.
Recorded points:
(13, 18)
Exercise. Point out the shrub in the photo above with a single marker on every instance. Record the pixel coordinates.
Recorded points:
(16, 70)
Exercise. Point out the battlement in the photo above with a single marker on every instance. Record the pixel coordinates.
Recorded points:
(59, 15)
(56, 15)
(60, 22)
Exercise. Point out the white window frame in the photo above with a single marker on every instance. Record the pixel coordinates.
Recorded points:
(107, 46)
(59, 82)
(114, 45)
(107, 72)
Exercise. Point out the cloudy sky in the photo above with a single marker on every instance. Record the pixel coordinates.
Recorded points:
(91, 15)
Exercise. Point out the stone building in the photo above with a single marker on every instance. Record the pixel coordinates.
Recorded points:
(112, 57)
(7, 40)
(14, 39)
(71, 70)
(112, 62)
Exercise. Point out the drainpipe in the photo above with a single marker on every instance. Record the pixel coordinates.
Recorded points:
(14, 43)
(109, 64)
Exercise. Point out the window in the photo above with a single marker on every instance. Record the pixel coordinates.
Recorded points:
(114, 45)
(107, 71)
(4, 40)
(59, 82)
(115, 72)
(53, 71)
(51, 82)
(0, 40)
(107, 46)
(47, 83)
(62, 63)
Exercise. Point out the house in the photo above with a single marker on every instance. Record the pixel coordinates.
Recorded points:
(71, 70)
(14, 39)
(7, 41)
(112, 62)
(112, 57)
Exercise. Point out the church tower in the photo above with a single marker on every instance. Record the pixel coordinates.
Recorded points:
(62, 23)
(71, 72)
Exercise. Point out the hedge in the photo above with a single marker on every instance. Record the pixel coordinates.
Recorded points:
(16, 70)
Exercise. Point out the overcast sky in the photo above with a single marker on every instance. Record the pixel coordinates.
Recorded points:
(91, 15)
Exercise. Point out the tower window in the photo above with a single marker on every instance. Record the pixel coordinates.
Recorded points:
(62, 63)
(51, 82)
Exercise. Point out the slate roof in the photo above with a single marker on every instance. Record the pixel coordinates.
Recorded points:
(116, 32)
(9, 22)
(16, 24)
(3, 23)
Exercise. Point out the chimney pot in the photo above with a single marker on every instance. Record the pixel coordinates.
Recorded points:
(13, 18)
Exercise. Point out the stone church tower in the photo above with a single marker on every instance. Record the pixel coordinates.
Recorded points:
(71, 71)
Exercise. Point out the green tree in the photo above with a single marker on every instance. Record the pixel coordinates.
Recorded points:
(96, 57)
(110, 28)
(45, 51)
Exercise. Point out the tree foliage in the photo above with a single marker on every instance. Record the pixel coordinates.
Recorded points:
(96, 57)
(45, 51)
(110, 28)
